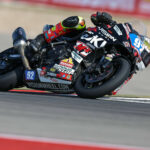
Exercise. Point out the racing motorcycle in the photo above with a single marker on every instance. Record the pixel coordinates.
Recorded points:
(93, 64)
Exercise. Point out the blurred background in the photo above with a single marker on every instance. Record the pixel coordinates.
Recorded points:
(32, 15)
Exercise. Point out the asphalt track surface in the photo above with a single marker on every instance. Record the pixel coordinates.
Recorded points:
(73, 118)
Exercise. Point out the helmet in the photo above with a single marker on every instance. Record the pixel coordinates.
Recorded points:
(100, 18)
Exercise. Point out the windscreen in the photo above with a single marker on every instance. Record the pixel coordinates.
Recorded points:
(139, 26)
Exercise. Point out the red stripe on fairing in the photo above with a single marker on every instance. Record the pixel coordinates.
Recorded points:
(27, 143)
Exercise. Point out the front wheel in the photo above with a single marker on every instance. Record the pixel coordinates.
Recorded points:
(121, 73)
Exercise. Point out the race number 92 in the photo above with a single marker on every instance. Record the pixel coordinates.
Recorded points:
(29, 75)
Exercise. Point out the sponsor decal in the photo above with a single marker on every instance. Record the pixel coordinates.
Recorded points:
(64, 69)
(140, 65)
(127, 31)
(137, 43)
(50, 79)
(64, 76)
(51, 74)
(52, 69)
(107, 34)
(30, 75)
(43, 71)
(128, 27)
(82, 48)
(76, 57)
(95, 40)
(91, 29)
(69, 77)
(147, 44)
(67, 62)
(116, 28)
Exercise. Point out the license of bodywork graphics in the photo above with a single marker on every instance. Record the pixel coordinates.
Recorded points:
(30, 75)
(77, 57)
(64, 69)
(137, 43)
(98, 42)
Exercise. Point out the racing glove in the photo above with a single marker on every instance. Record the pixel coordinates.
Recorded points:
(102, 18)
(37, 43)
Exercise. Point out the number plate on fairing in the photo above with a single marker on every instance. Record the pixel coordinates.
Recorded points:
(137, 42)
(30, 75)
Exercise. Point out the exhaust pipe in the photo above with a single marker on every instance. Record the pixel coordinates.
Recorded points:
(19, 43)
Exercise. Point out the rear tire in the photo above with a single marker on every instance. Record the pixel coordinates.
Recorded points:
(120, 75)
(12, 79)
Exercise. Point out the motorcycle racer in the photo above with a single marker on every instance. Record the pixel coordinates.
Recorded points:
(75, 24)
(71, 25)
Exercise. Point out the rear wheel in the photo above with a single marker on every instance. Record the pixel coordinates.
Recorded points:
(11, 75)
(121, 73)
(12, 79)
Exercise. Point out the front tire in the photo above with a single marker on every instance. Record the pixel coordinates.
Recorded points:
(120, 75)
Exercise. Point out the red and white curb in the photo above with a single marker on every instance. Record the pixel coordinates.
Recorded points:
(130, 100)
(12, 142)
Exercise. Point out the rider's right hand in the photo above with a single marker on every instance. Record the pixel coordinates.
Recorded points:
(34, 45)
(102, 18)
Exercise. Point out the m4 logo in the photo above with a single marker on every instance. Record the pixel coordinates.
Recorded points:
(95, 40)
